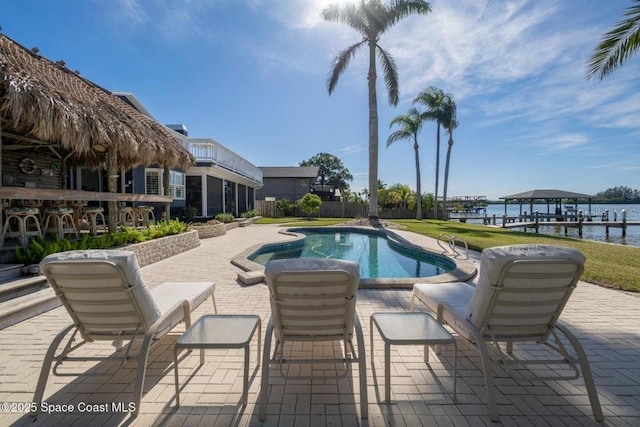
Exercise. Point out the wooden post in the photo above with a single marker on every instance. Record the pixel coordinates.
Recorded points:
(580, 219)
(624, 222)
(167, 192)
(112, 178)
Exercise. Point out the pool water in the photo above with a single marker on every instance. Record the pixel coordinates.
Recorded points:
(377, 256)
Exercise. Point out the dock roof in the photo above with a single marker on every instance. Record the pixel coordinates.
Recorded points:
(547, 195)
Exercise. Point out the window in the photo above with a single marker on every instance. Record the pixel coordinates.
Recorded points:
(177, 185)
(153, 180)
(177, 181)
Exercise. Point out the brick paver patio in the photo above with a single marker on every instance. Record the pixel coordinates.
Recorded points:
(607, 323)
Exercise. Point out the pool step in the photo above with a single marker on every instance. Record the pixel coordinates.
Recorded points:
(24, 298)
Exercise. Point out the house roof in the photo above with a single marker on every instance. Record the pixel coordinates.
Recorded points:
(44, 101)
(547, 195)
(290, 172)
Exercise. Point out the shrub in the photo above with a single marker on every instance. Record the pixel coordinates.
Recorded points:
(310, 204)
(38, 248)
(225, 217)
(285, 206)
(250, 214)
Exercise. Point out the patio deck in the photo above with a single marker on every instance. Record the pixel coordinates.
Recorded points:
(606, 322)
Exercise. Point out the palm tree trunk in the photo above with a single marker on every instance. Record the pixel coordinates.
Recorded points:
(446, 175)
(435, 194)
(418, 189)
(373, 134)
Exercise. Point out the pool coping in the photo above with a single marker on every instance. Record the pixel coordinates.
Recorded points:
(465, 269)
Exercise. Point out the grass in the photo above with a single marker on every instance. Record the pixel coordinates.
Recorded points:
(613, 266)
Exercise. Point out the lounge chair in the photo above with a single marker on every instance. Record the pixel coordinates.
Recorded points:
(107, 299)
(521, 292)
(313, 300)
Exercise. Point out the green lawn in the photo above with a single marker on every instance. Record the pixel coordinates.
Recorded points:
(614, 266)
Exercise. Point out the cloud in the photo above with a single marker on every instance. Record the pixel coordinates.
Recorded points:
(350, 149)
(565, 142)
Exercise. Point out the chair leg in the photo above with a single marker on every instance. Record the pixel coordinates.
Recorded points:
(362, 369)
(142, 369)
(264, 386)
(586, 372)
(46, 368)
(215, 308)
(487, 371)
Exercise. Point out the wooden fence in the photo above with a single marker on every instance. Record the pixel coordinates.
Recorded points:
(339, 210)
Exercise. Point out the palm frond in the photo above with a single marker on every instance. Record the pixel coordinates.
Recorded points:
(390, 72)
(617, 45)
(348, 13)
(340, 64)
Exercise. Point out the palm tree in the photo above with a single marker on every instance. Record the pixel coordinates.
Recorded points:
(410, 125)
(371, 18)
(433, 99)
(617, 45)
(450, 122)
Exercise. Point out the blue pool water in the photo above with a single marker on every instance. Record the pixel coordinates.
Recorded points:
(377, 256)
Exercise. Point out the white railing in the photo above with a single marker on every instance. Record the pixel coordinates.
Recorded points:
(210, 151)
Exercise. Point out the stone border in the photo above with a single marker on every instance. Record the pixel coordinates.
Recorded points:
(156, 250)
(465, 269)
(210, 230)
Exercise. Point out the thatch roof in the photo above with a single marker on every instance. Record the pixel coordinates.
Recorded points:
(46, 101)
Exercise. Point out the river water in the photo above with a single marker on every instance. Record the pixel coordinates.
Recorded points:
(594, 232)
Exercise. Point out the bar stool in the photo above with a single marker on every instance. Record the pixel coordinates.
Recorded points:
(90, 214)
(126, 217)
(144, 215)
(77, 206)
(59, 220)
(21, 217)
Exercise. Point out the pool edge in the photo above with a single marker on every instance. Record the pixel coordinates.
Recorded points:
(465, 269)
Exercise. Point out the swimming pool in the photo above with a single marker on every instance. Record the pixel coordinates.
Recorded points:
(378, 253)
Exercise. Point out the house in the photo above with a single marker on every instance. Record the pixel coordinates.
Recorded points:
(221, 181)
(287, 182)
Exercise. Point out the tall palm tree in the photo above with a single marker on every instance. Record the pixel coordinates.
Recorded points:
(450, 122)
(410, 125)
(617, 45)
(371, 18)
(433, 99)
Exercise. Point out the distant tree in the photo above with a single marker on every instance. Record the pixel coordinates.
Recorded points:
(410, 125)
(371, 18)
(449, 122)
(332, 172)
(396, 196)
(310, 204)
(617, 45)
(619, 194)
(434, 100)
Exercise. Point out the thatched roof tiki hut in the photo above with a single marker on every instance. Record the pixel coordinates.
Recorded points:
(47, 108)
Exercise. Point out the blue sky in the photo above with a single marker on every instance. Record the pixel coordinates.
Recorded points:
(251, 74)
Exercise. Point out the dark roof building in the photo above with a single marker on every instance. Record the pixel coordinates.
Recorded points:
(290, 182)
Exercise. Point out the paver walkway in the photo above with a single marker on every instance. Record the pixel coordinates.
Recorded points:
(607, 322)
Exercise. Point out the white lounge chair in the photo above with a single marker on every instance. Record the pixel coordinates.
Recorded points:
(106, 297)
(521, 292)
(313, 300)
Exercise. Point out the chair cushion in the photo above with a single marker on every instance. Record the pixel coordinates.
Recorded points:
(127, 264)
(493, 262)
(167, 294)
(455, 295)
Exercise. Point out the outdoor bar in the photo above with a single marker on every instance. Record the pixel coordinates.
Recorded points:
(56, 126)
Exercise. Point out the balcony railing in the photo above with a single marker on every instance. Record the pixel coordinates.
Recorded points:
(210, 151)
